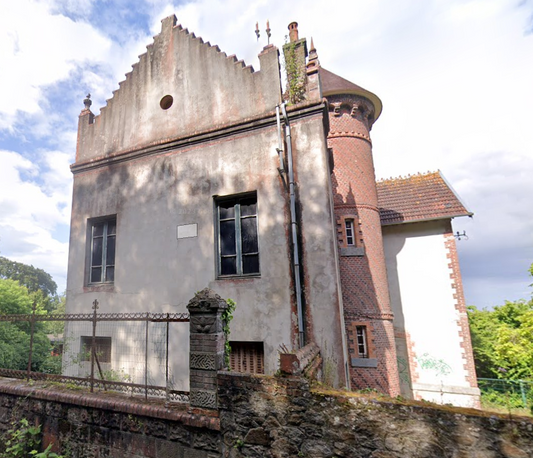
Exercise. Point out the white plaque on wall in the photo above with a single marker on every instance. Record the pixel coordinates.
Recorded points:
(187, 230)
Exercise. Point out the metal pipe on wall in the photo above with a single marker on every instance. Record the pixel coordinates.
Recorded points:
(294, 230)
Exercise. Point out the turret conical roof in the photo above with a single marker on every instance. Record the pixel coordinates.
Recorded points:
(333, 84)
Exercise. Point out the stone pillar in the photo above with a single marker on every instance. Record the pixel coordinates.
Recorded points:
(206, 347)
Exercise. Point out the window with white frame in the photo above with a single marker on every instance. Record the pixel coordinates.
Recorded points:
(238, 247)
(349, 229)
(361, 341)
(102, 251)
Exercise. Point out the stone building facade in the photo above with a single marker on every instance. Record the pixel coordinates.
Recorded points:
(197, 173)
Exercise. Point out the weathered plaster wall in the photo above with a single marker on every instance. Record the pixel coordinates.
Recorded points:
(208, 88)
(427, 324)
(151, 195)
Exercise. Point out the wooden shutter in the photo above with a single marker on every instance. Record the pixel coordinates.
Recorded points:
(247, 357)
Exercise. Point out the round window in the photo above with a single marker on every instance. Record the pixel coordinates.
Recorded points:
(166, 102)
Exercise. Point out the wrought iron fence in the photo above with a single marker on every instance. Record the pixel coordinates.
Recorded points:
(124, 352)
(508, 394)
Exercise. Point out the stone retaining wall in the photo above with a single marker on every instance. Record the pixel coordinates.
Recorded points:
(269, 417)
(85, 425)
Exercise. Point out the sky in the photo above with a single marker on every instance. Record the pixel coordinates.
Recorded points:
(455, 78)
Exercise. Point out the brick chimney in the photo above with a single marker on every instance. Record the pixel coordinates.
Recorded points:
(295, 53)
(293, 32)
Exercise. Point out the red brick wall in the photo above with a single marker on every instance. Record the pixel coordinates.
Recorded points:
(460, 306)
(363, 278)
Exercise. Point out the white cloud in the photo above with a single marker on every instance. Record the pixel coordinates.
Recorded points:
(30, 213)
(38, 48)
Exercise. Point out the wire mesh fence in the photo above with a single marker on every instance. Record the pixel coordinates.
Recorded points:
(136, 353)
(511, 395)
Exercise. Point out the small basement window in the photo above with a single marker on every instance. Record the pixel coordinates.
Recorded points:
(247, 357)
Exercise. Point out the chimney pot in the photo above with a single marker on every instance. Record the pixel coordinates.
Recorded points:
(293, 31)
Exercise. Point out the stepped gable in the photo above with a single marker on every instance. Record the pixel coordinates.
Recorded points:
(419, 197)
(179, 87)
(333, 84)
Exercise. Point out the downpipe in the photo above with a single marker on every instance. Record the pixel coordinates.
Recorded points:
(294, 226)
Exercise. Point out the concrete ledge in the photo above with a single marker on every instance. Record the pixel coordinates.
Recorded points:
(352, 251)
(451, 389)
(110, 401)
(364, 362)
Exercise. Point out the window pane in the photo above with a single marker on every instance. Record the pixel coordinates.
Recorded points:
(97, 252)
(96, 274)
(248, 206)
(250, 264)
(111, 227)
(98, 230)
(110, 252)
(249, 235)
(110, 274)
(228, 266)
(227, 237)
(227, 209)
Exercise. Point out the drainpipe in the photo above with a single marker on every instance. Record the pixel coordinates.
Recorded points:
(294, 230)
(279, 149)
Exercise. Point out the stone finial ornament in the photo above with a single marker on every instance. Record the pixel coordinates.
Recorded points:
(206, 300)
(88, 102)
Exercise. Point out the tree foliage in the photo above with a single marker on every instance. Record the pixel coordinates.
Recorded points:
(15, 336)
(502, 340)
(41, 286)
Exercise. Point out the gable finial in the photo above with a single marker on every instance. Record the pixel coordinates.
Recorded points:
(268, 32)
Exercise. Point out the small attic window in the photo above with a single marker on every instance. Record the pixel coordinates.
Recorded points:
(166, 102)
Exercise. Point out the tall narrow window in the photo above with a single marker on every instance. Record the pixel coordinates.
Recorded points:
(350, 238)
(362, 345)
(238, 248)
(103, 238)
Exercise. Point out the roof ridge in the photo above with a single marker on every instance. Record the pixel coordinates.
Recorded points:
(409, 176)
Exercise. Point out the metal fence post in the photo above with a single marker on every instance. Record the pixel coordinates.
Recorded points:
(32, 327)
(166, 363)
(523, 393)
(93, 343)
(146, 357)
(206, 347)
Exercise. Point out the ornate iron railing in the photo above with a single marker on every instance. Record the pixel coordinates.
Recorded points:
(96, 379)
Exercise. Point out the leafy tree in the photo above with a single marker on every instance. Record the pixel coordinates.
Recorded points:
(42, 287)
(15, 336)
(502, 340)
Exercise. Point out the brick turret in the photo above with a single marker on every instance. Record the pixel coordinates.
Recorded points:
(367, 312)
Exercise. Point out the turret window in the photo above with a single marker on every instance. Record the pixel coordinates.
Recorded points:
(361, 338)
(349, 228)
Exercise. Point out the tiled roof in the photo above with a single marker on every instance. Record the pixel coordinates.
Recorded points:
(419, 197)
(333, 84)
